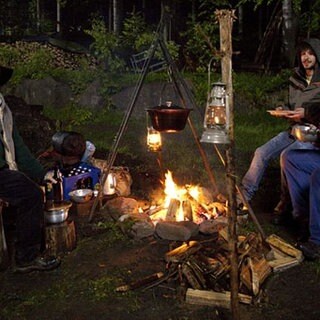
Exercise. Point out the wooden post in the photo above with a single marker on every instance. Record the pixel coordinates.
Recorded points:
(225, 18)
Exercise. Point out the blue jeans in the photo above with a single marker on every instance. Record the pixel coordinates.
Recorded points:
(302, 171)
(263, 155)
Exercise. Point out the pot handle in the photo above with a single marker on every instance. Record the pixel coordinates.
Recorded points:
(161, 93)
(169, 102)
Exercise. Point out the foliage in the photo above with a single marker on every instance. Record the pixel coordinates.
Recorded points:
(69, 116)
(202, 35)
(137, 37)
(256, 88)
(310, 19)
(105, 46)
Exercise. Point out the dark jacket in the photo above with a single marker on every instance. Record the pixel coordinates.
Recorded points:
(303, 95)
(25, 160)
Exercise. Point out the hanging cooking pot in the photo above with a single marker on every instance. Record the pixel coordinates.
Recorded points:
(168, 118)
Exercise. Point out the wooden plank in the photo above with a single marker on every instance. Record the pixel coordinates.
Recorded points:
(141, 282)
(212, 298)
(280, 244)
(282, 261)
(181, 253)
(254, 274)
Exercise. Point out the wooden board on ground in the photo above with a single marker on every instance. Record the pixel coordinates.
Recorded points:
(282, 261)
(283, 246)
(212, 298)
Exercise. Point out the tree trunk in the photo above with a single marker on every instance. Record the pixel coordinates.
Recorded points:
(117, 15)
(58, 17)
(289, 33)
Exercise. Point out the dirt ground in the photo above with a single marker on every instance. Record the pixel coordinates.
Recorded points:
(84, 285)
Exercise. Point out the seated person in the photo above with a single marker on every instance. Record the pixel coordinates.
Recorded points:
(20, 176)
(69, 152)
(302, 170)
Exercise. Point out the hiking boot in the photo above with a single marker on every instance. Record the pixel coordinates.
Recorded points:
(279, 219)
(281, 213)
(310, 250)
(38, 264)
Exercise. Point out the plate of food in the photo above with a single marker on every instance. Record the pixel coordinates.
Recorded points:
(282, 113)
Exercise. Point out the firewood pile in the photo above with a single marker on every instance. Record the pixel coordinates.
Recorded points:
(200, 270)
(62, 58)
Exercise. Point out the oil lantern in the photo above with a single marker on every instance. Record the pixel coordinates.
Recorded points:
(216, 119)
(153, 140)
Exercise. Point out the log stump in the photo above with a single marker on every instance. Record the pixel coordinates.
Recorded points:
(60, 238)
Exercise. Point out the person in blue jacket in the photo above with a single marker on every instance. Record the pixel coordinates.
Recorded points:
(20, 176)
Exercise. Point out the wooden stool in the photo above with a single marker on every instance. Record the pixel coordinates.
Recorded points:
(60, 238)
(4, 255)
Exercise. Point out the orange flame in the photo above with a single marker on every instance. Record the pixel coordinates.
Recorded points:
(172, 191)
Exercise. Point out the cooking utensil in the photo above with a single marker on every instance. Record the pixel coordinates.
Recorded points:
(168, 118)
(81, 195)
(305, 132)
(57, 213)
(109, 187)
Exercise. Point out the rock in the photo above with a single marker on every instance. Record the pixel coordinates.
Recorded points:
(123, 205)
(142, 229)
(176, 230)
(46, 92)
(213, 225)
(91, 97)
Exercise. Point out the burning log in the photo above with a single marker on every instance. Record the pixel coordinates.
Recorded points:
(152, 211)
(187, 210)
(213, 210)
(173, 208)
(201, 208)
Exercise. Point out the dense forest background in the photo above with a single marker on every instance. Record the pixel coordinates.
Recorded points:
(265, 32)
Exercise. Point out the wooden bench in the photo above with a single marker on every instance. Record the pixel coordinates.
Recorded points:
(4, 255)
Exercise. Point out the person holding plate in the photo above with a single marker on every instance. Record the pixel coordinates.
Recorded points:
(304, 102)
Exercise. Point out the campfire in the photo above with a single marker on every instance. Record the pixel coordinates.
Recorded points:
(185, 203)
(198, 259)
